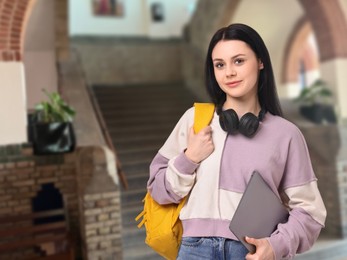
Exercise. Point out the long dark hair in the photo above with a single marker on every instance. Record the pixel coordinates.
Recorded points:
(267, 93)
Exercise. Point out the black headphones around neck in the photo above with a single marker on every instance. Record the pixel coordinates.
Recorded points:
(247, 125)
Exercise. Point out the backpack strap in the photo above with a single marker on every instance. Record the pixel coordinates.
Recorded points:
(203, 115)
(142, 214)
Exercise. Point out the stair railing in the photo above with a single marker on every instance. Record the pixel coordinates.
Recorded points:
(102, 124)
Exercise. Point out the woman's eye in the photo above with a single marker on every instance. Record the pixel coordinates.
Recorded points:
(218, 65)
(239, 61)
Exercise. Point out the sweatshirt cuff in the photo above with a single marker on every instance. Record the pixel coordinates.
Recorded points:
(184, 165)
(279, 246)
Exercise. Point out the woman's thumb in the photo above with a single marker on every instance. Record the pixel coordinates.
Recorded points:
(251, 240)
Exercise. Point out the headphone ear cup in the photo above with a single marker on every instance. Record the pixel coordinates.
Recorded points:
(229, 121)
(249, 124)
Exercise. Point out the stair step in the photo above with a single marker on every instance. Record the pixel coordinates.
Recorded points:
(137, 138)
(133, 195)
(132, 145)
(154, 104)
(135, 168)
(141, 121)
(140, 130)
(136, 159)
(146, 111)
(149, 149)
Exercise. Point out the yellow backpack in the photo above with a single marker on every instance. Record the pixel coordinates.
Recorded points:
(163, 226)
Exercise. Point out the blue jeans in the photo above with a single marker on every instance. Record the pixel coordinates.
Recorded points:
(212, 248)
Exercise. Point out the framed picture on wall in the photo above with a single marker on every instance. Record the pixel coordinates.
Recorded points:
(108, 7)
(157, 10)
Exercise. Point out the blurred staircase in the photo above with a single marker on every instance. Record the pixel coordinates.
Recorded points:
(139, 119)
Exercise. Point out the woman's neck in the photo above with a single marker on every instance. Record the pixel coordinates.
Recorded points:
(242, 107)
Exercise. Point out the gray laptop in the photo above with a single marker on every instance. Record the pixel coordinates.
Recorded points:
(258, 213)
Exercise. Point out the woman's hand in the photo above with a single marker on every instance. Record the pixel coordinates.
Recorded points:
(263, 249)
(200, 145)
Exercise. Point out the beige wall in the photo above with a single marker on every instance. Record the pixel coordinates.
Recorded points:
(135, 22)
(334, 73)
(21, 82)
(39, 52)
(12, 104)
(274, 21)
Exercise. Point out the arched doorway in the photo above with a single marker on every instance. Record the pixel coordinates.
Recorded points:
(301, 59)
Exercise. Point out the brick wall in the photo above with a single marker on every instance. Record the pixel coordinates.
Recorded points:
(91, 198)
(99, 199)
(101, 229)
(12, 15)
(329, 25)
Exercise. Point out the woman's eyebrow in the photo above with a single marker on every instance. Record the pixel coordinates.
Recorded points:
(233, 57)
(217, 59)
(238, 55)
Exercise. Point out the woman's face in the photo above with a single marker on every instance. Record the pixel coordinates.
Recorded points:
(236, 69)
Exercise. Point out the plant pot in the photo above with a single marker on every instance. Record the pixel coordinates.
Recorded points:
(319, 113)
(53, 138)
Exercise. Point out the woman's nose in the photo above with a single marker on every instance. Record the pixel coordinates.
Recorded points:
(230, 72)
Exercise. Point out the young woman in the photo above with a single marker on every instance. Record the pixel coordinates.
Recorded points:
(247, 133)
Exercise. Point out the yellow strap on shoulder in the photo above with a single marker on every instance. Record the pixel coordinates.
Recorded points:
(203, 115)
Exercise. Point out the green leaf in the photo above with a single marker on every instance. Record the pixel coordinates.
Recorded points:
(318, 92)
(54, 110)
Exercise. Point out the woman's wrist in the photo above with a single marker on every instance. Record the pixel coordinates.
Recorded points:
(191, 157)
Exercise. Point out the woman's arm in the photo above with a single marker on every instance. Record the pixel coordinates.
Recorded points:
(160, 187)
(171, 161)
(172, 171)
(307, 217)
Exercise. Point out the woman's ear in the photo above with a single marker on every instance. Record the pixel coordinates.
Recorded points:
(261, 65)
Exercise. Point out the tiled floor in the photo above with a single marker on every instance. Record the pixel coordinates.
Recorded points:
(326, 249)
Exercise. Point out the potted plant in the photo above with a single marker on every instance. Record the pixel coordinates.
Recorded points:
(316, 104)
(51, 126)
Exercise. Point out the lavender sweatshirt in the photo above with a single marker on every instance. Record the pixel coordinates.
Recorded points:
(215, 186)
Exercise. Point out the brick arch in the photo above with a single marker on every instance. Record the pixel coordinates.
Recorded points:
(13, 17)
(329, 25)
(326, 20)
(297, 49)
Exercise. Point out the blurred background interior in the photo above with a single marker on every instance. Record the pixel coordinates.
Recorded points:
(130, 68)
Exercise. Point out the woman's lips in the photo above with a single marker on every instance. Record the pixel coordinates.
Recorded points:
(233, 83)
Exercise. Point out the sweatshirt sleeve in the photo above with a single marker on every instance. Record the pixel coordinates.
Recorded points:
(172, 174)
(307, 211)
(183, 177)
(306, 219)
